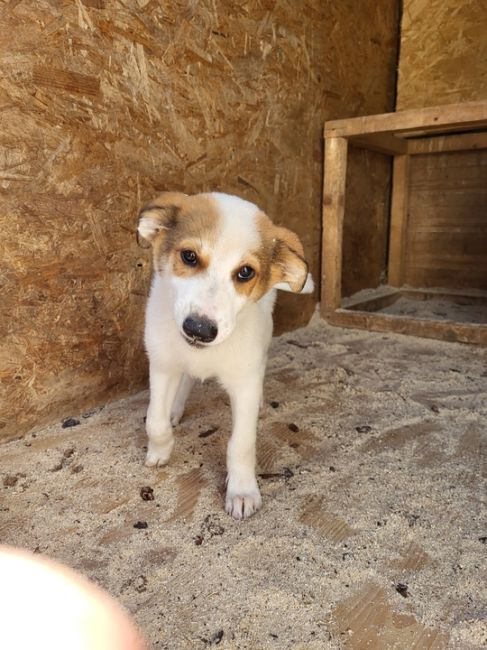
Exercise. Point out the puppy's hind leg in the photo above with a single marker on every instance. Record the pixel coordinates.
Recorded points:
(184, 389)
(163, 387)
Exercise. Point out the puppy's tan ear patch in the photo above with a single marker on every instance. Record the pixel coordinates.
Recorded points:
(158, 215)
(288, 261)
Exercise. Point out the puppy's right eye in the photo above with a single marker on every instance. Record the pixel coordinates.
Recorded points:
(189, 257)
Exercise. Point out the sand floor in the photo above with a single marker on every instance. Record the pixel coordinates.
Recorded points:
(373, 530)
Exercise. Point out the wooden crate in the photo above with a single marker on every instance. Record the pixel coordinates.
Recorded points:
(402, 135)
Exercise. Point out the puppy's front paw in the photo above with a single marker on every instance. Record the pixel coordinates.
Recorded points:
(243, 499)
(242, 506)
(158, 453)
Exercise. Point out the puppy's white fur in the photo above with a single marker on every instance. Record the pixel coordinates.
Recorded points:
(225, 230)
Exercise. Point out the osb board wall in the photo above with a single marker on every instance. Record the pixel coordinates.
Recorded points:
(105, 103)
(446, 241)
(443, 53)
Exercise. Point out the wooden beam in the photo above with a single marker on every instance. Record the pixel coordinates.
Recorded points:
(333, 214)
(381, 142)
(462, 296)
(445, 331)
(444, 143)
(467, 115)
(398, 228)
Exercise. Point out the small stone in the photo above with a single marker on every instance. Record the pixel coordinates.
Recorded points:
(10, 481)
(208, 432)
(275, 404)
(364, 428)
(217, 637)
(141, 525)
(147, 493)
(402, 589)
(70, 422)
(293, 427)
(140, 584)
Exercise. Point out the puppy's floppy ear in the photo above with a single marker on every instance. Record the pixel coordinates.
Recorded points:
(160, 214)
(289, 265)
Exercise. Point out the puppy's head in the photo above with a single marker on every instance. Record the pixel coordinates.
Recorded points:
(218, 253)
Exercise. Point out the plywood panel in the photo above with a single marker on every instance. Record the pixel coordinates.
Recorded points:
(443, 53)
(106, 103)
(446, 241)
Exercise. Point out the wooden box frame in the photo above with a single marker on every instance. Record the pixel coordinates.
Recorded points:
(455, 127)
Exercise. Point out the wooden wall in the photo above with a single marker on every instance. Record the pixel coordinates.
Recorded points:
(446, 242)
(442, 60)
(106, 103)
(365, 227)
(443, 53)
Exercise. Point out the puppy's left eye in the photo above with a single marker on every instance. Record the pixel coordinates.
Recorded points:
(189, 257)
(245, 274)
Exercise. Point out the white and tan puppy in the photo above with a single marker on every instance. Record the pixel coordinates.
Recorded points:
(218, 261)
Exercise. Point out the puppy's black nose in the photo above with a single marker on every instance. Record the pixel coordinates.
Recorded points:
(200, 329)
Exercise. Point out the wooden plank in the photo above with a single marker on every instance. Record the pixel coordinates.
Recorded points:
(451, 117)
(375, 303)
(460, 297)
(381, 142)
(333, 214)
(367, 214)
(444, 331)
(444, 143)
(398, 229)
(447, 221)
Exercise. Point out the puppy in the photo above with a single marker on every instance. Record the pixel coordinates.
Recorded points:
(218, 261)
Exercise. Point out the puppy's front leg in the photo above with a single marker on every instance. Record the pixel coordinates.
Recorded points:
(182, 394)
(243, 496)
(163, 387)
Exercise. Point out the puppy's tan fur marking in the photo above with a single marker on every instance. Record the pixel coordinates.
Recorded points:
(181, 222)
(248, 288)
(281, 256)
(185, 270)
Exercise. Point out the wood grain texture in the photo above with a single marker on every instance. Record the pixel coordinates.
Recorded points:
(105, 104)
(445, 331)
(446, 235)
(336, 153)
(452, 117)
(364, 254)
(398, 221)
(443, 53)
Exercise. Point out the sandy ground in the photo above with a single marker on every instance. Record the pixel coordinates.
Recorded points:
(373, 531)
